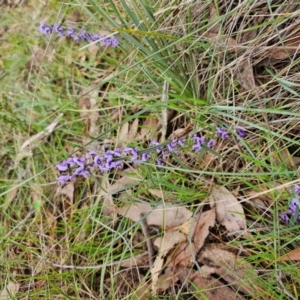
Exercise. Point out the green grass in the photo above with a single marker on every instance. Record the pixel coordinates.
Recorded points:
(160, 42)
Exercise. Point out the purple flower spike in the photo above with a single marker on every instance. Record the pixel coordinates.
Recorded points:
(222, 132)
(241, 132)
(81, 35)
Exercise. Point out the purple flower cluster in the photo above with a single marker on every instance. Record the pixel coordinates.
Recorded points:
(83, 35)
(293, 213)
(112, 159)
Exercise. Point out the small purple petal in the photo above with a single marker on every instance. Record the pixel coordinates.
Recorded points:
(114, 42)
(79, 161)
(59, 29)
(211, 143)
(297, 188)
(64, 178)
(145, 156)
(91, 154)
(159, 161)
(293, 205)
(81, 171)
(284, 216)
(241, 132)
(45, 29)
(181, 142)
(223, 133)
(63, 166)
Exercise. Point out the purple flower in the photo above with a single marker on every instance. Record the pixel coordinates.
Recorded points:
(241, 132)
(284, 216)
(81, 171)
(293, 205)
(222, 132)
(64, 178)
(59, 29)
(181, 142)
(211, 143)
(91, 154)
(82, 35)
(79, 161)
(199, 141)
(145, 156)
(45, 29)
(172, 146)
(159, 161)
(155, 143)
(63, 166)
(297, 189)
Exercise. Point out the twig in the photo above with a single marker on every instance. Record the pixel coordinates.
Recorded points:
(145, 230)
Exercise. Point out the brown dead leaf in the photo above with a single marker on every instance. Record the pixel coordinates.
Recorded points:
(183, 255)
(149, 128)
(68, 190)
(233, 269)
(228, 43)
(195, 230)
(39, 55)
(210, 286)
(291, 47)
(9, 291)
(245, 75)
(167, 216)
(164, 244)
(230, 212)
(126, 181)
(200, 228)
(181, 132)
(127, 133)
(293, 255)
(166, 280)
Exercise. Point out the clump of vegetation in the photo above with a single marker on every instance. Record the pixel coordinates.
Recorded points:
(150, 150)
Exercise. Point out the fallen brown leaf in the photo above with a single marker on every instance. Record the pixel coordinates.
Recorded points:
(9, 290)
(233, 269)
(211, 287)
(293, 255)
(167, 216)
(245, 75)
(149, 128)
(164, 244)
(230, 212)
